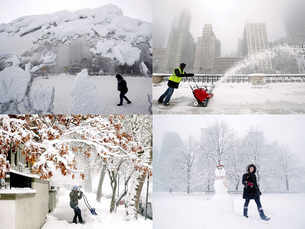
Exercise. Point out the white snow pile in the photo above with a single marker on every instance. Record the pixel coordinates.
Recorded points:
(7, 60)
(105, 32)
(42, 98)
(84, 94)
(119, 50)
(13, 84)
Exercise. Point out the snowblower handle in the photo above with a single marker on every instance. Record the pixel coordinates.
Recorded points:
(189, 74)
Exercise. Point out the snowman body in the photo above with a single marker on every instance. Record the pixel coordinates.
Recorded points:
(221, 199)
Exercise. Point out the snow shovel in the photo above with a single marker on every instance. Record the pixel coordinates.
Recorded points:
(92, 210)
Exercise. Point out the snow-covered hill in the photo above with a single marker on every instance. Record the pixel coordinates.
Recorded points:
(102, 40)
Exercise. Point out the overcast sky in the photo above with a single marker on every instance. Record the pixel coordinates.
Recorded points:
(288, 130)
(228, 17)
(12, 9)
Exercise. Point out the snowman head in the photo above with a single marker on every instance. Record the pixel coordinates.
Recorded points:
(220, 171)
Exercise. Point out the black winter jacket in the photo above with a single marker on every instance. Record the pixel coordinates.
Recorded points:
(250, 191)
(122, 86)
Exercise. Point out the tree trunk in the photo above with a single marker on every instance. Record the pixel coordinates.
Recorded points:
(139, 188)
(88, 180)
(188, 188)
(114, 187)
(237, 185)
(147, 192)
(287, 183)
(99, 193)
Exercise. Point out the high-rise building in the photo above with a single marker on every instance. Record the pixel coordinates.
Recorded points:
(295, 23)
(207, 49)
(255, 38)
(180, 47)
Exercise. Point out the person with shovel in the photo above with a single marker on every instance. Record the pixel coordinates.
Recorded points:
(173, 83)
(75, 195)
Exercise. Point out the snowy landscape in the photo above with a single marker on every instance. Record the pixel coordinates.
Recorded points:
(108, 157)
(66, 94)
(101, 39)
(192, 190)
(61, 217)
(236, 98)
(180, 210)
(56, 63)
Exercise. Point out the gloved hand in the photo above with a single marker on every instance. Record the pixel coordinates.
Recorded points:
(250, 184)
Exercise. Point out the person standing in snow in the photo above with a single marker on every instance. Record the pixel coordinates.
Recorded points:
(173, 83)
(123, 89)
(251, 191)
(76, 195)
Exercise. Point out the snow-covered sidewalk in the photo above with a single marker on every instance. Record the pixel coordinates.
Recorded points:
(236, 98)
(62, 216)
(106, 97)
(181, 211)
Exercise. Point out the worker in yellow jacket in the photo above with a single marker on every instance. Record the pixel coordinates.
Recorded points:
(173, 82)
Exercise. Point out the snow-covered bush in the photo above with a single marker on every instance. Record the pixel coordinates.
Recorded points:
(66, 38)
(18, 96)
(84, 94)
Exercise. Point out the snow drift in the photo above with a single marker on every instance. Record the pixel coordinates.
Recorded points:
(101, 40)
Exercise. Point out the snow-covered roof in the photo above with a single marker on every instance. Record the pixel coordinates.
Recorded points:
(17, 191)
(24, 174)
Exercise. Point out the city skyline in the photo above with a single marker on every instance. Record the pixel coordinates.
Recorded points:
(228, 19)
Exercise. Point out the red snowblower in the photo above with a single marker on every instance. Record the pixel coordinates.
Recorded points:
(202, 93)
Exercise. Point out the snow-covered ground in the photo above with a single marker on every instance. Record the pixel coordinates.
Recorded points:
(181, 211)
(105, 97)
(236, 98)
(62, 216)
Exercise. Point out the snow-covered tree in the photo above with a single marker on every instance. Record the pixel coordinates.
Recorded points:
(62, 142)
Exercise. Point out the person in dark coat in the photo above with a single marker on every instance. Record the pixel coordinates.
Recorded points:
(76, 195)
(251, 191)
(173, 83)
(123, 89)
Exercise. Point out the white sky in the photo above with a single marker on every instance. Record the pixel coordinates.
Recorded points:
(12, 9)
(288, 130)
(228, 17)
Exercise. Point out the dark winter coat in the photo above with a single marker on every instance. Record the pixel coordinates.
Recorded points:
(172, 84)
(122, 86)
(74, 197)
(251, 189)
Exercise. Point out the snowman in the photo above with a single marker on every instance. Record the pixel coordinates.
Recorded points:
(221, 200)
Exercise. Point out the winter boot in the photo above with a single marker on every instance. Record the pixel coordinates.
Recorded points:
(246, 212)
(120, 104)
(262, 215)
(129, 102)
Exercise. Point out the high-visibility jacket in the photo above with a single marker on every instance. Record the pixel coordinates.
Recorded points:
(175, 78)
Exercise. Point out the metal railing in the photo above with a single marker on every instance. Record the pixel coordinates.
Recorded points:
(242, 78)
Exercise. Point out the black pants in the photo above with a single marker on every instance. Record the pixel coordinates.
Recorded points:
(123, 96)
(77, 214)
(257, 201)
